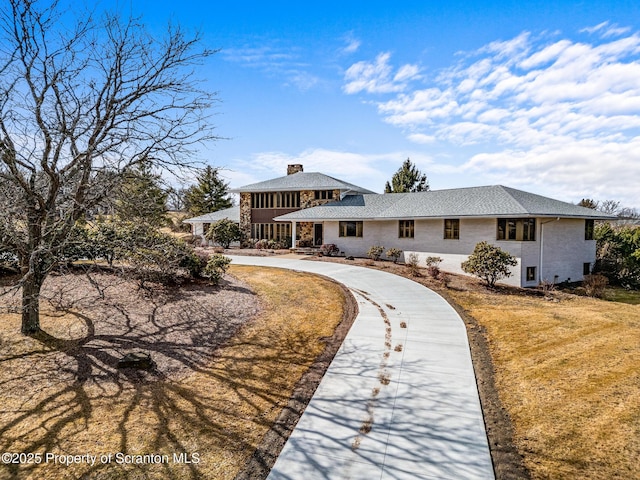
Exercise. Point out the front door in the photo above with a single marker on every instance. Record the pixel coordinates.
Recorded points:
(317, 234)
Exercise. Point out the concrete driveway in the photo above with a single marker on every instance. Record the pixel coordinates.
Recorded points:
(399, 400)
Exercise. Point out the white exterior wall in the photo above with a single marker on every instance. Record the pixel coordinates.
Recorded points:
(565, 250)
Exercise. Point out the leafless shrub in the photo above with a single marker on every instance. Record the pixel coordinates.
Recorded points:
(594, 285)
(412, 262)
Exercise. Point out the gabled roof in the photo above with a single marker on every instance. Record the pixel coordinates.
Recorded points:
(232, 213)
(302, 181)
(490, 201)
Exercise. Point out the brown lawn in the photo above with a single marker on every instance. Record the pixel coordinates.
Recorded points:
(227, 362)
(568, 373)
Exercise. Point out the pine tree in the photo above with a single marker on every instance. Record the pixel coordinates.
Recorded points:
(407, 179)
(141, 197)
(209, 195)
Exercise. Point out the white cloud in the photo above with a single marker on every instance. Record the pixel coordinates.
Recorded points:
(560, 111)
(606, 30)
(352, 44)
(421, 138)
(378, 76)
(273, 61)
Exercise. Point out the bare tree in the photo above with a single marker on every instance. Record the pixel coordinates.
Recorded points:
(75, 102)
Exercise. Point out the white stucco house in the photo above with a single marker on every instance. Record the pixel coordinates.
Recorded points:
(552, 240)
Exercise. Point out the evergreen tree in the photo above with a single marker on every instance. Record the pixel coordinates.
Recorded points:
(407, 179)
(141, 197)
(209, 195)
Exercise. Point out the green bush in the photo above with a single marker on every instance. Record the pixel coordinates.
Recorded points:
(490, 263)
(224, 232)
(216, 268)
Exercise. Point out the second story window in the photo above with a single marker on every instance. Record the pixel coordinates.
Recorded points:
(324, 195)
(275, 200)
(518, 229)
(589, 226)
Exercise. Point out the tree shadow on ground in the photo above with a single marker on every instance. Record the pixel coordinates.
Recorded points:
(65, 394)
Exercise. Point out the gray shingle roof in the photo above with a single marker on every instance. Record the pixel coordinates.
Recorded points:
(232, 213)
(490, 201)
(301, 181)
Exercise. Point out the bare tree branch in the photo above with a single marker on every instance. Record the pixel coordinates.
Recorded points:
(78, 107)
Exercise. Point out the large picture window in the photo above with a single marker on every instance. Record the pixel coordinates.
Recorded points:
(405, 229)
(350, 229)
(452, 229)
(518, 229)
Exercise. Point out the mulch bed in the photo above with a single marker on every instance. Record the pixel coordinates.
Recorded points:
(179, 327)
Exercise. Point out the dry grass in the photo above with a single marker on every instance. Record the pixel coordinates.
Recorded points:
(568, 374)
(219, 411)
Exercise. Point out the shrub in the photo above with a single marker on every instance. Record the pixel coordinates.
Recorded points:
(394, 254)
(594, 285)
(216, 268)
(433, 266)
(412, 261)
(224, 232)
(375, 252)
(329, 249)
(490, 263)
(265, 244)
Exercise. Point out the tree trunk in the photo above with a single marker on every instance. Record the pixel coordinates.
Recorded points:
(31, 303)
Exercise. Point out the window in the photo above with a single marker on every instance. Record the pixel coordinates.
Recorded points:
(324, 194)
(452, 229)
(405, 229)
(588, 229)
(275, 200)
(271, 231)
(350, 229)
(531, 274)
(518, 229)
(586, 268)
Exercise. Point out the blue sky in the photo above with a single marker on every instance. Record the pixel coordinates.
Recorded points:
(542, 96)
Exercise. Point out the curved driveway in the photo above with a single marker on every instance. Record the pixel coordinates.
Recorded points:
(399, 400)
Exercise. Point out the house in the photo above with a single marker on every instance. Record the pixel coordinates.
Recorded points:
(552, 240)
(261, 203)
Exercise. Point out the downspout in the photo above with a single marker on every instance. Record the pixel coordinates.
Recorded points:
(542, 247)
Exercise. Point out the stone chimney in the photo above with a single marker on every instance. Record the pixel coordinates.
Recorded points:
(295, 168)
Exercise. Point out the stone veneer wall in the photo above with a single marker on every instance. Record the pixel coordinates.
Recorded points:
(308, 200)
(245, 218)
(305, 229)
